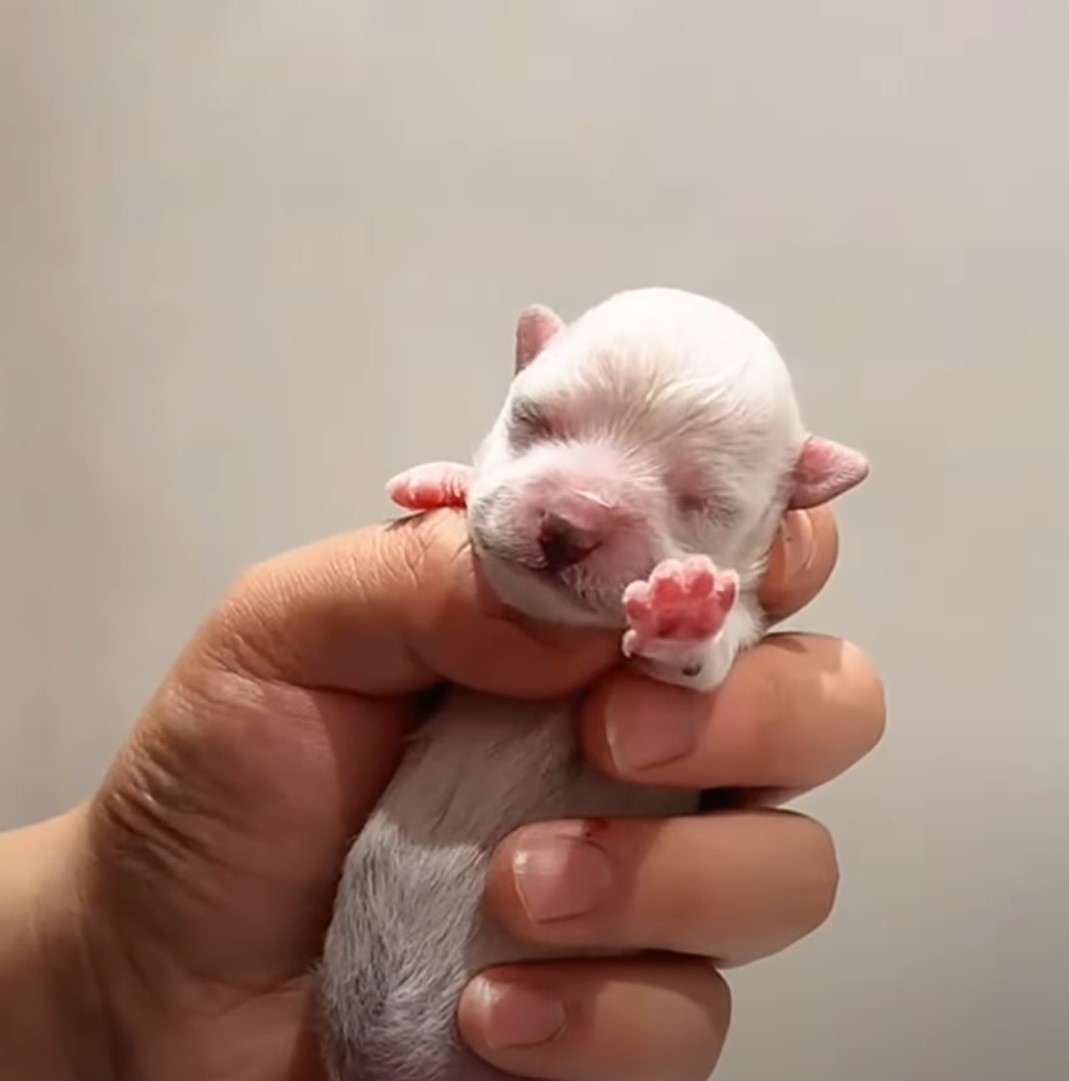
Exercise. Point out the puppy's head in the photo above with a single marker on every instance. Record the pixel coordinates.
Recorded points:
(659, 424)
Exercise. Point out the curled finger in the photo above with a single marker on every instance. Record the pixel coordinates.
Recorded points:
(801, 561)
(732, 887)
(604, 1020)
(795, 712)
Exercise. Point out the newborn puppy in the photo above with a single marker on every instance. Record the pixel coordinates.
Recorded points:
(634, 479)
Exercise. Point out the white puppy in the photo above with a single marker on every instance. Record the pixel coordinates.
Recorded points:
(635, 478)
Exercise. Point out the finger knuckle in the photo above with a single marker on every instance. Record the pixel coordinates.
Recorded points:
(241, 635)
(406, 560)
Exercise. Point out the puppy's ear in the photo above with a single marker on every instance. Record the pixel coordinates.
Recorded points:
(824, 471)
(534, 329)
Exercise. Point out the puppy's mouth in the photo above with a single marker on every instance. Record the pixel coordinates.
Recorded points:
(537, 590)
(528, 566)
(568, 597)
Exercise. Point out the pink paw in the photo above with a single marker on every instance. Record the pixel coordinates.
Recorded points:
(431, 486)
(682, 602)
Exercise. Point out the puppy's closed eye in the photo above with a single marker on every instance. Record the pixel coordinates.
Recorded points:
(530, 422)
(710, 506)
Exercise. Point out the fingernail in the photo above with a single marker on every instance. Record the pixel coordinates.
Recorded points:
(558, 874)
(796, 532)
(518, 1016)
(649, 724)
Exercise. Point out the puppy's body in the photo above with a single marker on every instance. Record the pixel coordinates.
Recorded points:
(634, 479)
(409, 930)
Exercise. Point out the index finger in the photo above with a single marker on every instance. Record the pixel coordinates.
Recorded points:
(394, 609)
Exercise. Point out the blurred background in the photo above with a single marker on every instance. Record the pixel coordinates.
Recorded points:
(255, 257)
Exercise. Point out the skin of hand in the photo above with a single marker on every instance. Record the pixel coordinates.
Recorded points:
(169, 927)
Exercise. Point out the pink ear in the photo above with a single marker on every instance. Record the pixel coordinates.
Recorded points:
(534, 329)
(824, 471)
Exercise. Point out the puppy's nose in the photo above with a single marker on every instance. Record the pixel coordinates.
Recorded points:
(563, 543)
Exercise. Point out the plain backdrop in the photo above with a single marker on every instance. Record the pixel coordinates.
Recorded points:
(256, 256)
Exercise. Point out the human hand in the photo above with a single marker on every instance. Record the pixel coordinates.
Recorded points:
(184, 907)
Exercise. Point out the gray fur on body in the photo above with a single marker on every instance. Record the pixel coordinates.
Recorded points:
(409, 929)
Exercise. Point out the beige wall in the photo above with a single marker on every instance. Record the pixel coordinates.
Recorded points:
(256, 256)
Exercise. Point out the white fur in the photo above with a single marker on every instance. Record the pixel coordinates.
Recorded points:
(667, 383)
(655, 393)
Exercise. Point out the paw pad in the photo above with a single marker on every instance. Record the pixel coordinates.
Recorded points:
(682, 600)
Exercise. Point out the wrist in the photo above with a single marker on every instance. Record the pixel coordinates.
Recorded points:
(51, 1024)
